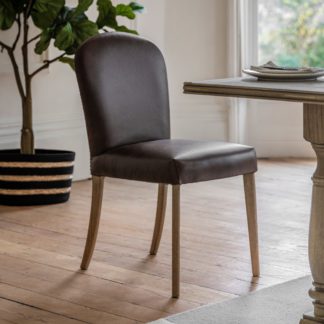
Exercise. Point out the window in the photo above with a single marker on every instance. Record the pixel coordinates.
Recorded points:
(291, 32)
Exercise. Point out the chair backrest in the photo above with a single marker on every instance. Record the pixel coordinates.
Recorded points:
(123, 85)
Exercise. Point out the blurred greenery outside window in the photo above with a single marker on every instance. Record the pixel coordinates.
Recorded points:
(291, 32)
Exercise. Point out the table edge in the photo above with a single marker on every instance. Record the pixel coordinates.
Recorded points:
(252, 93)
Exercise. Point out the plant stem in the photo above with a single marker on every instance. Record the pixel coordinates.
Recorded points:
(27, 135)
(16, 73)
(46, 64)
(27, 141)
(4, 46)
(18, 33)
(10, 51)
(34, 38)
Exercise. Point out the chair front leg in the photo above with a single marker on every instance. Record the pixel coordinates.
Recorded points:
(159, 218)
(251, 210)
(175, 241)
(97, 192)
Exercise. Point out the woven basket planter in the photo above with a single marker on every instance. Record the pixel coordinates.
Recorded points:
(40, 179)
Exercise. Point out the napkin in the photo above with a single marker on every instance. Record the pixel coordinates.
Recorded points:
(271, 67)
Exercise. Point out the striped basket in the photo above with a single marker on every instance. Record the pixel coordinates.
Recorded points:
(43, 178)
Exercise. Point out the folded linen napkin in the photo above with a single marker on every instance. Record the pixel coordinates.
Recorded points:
(271, 67)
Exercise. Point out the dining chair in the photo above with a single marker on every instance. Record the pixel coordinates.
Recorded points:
(124, 90)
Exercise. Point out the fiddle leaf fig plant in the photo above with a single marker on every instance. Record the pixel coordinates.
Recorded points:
(57, 23)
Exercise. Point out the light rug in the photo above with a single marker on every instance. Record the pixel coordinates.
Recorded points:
(281, 304)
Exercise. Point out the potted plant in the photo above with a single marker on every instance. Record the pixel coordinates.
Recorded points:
(29, 176)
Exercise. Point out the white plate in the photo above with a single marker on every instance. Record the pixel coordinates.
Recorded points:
(288, 75)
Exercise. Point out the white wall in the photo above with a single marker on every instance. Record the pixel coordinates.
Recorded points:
(275, 129)
(193, 38)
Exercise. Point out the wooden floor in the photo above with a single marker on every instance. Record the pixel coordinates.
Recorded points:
(41, 249)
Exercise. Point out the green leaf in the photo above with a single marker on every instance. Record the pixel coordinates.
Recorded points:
(70, 31)
(44, 42)
(136, 7)
(107, 14)
(68, 60)
(65, 37)
(69, 40)
(125, 11)
(124, 29)
(83, 30)
(82, 7)
(7, 14)
(45, 12)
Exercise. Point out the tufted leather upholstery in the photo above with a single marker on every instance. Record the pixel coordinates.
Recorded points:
(123, 85)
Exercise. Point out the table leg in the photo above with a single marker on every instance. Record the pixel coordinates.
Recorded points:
(314, 133)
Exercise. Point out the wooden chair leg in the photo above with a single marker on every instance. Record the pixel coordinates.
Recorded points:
(251, 210)
(159, 218)
(97, 191)
(175, 241)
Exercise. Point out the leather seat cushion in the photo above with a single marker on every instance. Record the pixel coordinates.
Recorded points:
(175, 161)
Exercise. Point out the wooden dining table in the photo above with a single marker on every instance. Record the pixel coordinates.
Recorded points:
(311, 94)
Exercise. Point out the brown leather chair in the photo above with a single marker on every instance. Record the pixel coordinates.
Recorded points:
(124, 90)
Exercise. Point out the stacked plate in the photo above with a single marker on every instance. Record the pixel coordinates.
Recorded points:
(273, 72)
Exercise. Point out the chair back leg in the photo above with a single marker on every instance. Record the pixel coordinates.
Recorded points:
(159, 218)
(175, 241)
(97, 192)
(251, 210)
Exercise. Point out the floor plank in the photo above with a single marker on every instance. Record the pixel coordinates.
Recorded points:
(41, 249)
(22, 313)
(88, 313)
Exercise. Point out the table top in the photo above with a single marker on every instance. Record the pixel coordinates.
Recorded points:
(247, 87)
